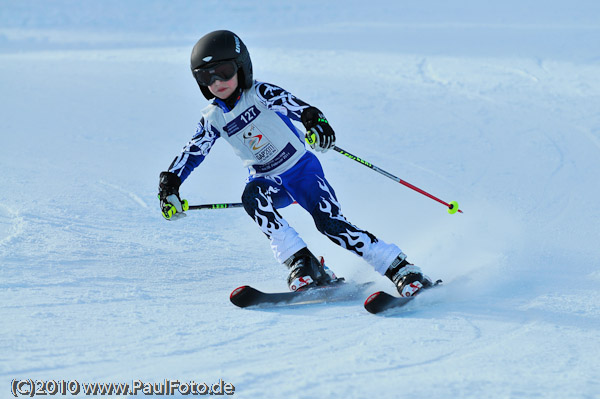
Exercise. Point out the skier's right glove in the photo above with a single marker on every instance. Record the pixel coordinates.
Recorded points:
(319, 135)
(171, 205)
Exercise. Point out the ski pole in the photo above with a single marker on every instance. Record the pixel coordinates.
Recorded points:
(217, 206)
(170, 213)
(452, 206)
(226, 205)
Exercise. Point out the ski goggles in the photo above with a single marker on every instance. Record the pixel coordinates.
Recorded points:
(222, 71)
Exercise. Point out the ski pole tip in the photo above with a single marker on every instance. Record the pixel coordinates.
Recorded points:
(453, 208)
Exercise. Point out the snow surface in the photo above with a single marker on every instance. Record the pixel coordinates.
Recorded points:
(493, 104)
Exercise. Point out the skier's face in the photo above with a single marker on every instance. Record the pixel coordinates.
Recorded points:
(224, 88)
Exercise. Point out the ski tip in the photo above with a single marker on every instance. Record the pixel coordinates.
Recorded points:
(370, 299)
(237, 291)
(239, 296)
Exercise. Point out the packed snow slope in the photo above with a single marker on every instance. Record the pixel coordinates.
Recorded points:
(492, 104)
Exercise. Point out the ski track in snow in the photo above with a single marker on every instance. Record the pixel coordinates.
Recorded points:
(492, 105)
(126, 193)
(11, 225)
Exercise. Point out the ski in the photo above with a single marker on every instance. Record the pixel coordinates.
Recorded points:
(339, 290)
(382, 301)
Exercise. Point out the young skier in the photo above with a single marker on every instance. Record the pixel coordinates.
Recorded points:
(255, 118)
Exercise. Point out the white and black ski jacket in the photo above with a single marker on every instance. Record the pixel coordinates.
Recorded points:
(259, 128)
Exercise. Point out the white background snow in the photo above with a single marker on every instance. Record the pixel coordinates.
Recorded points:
(492, 104)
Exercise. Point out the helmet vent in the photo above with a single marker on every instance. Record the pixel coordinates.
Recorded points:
(206, 59)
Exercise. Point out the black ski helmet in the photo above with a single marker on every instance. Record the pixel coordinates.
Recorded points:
(222, 45)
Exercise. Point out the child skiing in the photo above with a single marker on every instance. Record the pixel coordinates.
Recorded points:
(255, 118)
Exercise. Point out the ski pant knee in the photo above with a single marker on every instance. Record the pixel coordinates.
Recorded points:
(329, 221)
(260, 191)
(259, 199)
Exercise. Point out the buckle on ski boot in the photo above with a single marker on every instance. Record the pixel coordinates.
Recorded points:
(408, 278)
(306, 271)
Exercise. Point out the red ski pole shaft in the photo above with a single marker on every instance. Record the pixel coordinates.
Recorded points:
(452, 206)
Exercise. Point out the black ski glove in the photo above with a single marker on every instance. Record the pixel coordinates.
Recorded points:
(168, 194)
(319, 135)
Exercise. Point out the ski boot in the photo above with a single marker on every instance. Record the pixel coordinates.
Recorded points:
(307, 271)
(408, 278)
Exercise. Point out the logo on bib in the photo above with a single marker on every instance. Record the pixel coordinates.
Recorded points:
(261, 147)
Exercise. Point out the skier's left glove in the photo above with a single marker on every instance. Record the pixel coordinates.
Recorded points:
(319, 135)
(171, 205)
